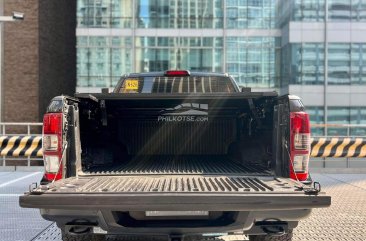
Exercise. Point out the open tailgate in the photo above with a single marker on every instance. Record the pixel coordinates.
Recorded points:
(174, 192)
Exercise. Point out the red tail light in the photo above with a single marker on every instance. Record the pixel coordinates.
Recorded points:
(300, 145)
(52, 146)
(177, 73)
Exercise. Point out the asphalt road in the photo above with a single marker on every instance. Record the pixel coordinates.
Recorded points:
(344, 220)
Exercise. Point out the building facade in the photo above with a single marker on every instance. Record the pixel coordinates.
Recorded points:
(312, 48)
(38, 57)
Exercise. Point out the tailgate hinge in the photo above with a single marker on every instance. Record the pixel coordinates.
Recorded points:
(311, 190)
(33, 186)
(34, 189)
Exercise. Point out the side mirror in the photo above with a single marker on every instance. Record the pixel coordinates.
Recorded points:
(105, 90)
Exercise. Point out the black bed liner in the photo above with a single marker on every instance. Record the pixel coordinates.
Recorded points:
(180, 165)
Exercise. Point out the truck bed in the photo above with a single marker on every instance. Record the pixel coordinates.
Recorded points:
(179, 165)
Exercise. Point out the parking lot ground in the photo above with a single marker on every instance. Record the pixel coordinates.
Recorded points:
(18, 223)
(344, 220)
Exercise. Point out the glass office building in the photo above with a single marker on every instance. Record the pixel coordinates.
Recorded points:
(312, 48)
(123, 36)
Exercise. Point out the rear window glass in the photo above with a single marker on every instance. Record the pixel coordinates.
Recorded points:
(181, 84)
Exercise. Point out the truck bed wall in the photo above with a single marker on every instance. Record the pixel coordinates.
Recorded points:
(131, 129)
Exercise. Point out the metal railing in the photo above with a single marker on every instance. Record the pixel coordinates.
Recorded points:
(26, 126)
(339, 130)
(17, 129)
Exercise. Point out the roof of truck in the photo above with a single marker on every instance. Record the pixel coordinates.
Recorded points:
(148, 78)
(162, 73)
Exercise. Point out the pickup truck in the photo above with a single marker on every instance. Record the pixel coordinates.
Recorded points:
(177, 155)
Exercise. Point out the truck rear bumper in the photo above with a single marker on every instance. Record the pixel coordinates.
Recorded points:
(108, 222)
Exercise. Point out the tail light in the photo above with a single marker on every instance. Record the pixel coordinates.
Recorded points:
(300, 145)
(52, 146)
(177, 73)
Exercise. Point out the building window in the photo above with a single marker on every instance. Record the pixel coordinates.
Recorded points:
(339, 10)
(308, 10)
(358, 61)
(179, 14)
(102, 60)
(162, 53)
(358, 10)
(316, 118)
(338, 115)
(257, 14)
(358, 117)
(353, 116)
(251, 61)
(312, 63)
(303, 63)
(339, 64)
(104, 13)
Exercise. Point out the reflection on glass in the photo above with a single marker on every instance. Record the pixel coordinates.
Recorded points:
(358, 10)
(316, 117)
(346, 115)
(102, 60)
(104, 13)
(254, 61)
(312, 63)
(260, 14)
(314, 11)
(339, 65)
(339, 10)
(251, 14)
(358, 117)
(345, 64)
(179, 14)
(358, 60)
(338, 115)
(303, 63)
(309, 10)
(193, 53)
(251, 61)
